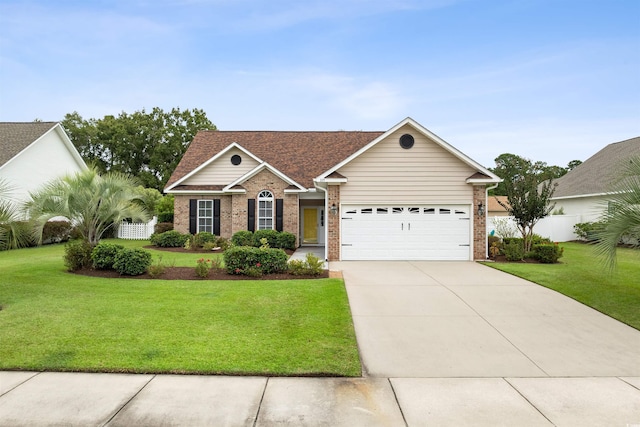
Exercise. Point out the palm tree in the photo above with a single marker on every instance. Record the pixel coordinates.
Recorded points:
(93, 203)
(622, 217)
(13, 232)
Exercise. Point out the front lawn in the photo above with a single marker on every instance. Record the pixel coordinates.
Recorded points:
(581, 276)
(54, 320)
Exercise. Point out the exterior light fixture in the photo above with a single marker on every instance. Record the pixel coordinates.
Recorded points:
(334, 209)
(480, 209)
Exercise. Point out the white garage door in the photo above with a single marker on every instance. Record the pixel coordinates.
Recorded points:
(434, 232)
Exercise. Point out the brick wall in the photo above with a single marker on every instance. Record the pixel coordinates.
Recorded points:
(181, 212)
(333, 222)
(265, 180)
(479, 223)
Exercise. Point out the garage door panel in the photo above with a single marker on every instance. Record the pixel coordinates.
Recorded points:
(406, 232)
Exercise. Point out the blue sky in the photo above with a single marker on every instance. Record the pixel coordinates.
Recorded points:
(551, 80)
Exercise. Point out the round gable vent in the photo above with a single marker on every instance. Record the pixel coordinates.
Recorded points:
(236, 160)
(406, 141)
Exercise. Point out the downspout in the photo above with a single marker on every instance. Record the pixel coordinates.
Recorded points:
(326, 220)
(486, 240)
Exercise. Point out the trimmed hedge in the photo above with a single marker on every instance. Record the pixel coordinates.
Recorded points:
(132, 262)
(77, 255)
(237, 259)
(548, 253)
(162, 227)
(104, 255)
(169, 239)
(275, 239)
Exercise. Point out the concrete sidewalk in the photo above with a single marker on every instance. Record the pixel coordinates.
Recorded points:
(80, 399)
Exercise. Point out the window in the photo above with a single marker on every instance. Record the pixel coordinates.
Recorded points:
(265, 210)
(205, 216)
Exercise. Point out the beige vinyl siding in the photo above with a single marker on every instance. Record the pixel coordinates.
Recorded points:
(221, 171)
(425, 173)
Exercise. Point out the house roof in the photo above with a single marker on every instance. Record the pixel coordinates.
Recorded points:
(494, 206)
(302, 156)
(16, 136)
(593, 177)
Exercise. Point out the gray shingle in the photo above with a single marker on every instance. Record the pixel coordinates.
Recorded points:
(16, 136)
(595, 174)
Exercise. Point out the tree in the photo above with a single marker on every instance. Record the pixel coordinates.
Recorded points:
(145, 145)
(622, 217)
(13, 232)
(528, 194)
(93, 203)
(573, 164)
(508, 164)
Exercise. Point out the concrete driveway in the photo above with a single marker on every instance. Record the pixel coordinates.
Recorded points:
(419, 319)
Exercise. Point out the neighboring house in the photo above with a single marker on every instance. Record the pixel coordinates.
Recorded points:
(397, 195)
(496, 209)
(584, 190)
(33, 153)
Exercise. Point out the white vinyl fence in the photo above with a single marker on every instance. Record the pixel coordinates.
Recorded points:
(558, 228)
(136, 230)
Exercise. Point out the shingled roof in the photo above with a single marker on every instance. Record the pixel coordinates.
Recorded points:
(16, 136)
(301, 156)
(594, 176)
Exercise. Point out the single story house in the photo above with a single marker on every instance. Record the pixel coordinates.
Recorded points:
(403, 194)
(34, 153)
(584, 190)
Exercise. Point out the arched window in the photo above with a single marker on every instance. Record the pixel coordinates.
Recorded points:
(265, 210)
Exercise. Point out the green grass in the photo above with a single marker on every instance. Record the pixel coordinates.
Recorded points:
(582, 276)
(54, 320)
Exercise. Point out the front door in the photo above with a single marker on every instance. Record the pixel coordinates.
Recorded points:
(310, 225)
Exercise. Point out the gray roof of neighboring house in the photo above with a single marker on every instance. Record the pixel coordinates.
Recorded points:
(594, 176)
(16, 136)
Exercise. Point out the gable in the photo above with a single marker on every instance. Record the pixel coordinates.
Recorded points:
(426, 172)
(15, 137)
(222, 171)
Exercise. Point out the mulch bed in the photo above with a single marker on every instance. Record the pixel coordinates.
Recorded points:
(189, 273)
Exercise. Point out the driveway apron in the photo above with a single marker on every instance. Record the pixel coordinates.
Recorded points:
(420, 319)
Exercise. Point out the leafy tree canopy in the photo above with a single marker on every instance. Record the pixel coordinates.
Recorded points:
(146, 145)
(511, 166)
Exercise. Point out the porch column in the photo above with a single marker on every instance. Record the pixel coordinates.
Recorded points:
(479, 223)
(333, 223)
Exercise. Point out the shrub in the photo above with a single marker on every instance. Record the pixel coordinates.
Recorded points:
(588, 230)
(56, 231)
(242, 238)
(270, 235)
(238, 258)
(547, 253)
(223, 243)
(165, 217)
(513, 249)
(203, 267)
(200, 239)
(286, 240)
(156, 270)
(169, 239)
(77, 255)
(132, 262)
(104, 255)
(162, 227)
(253, 271)
(310, 266)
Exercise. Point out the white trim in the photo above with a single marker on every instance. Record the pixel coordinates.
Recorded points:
(409, 121)
(57, 127)
(211, 160)
(213, 192)
(260, 168)
(581, 196)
